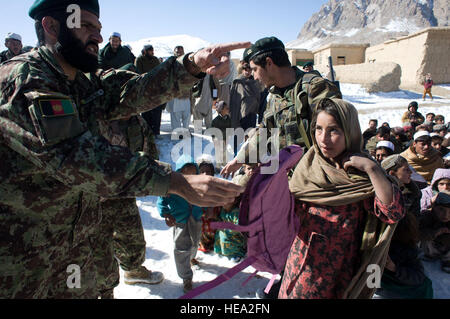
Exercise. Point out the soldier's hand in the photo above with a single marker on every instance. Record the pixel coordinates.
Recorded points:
(204, 190)
(215, 61)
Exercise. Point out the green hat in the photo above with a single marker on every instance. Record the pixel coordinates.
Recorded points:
(308, 64)
(262, 46)
(42, 7)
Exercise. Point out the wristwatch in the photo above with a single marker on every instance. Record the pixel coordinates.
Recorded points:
(195, 68)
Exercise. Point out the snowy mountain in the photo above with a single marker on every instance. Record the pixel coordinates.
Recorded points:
(370, 21)
(164, 46)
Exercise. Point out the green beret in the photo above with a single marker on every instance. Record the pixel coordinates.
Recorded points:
(308, 64)
(264, 45)
(42, 7)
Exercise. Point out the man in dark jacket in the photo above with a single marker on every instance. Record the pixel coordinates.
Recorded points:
(145, 63)
(245, 99)
(114, 55)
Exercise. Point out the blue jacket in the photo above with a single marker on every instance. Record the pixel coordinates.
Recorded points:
(177, 206)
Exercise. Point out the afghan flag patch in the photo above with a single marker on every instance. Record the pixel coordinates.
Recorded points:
(51, 108)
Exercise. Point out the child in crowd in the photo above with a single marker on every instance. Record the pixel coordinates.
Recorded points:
(435, 219)
(383, 150)
(439, 119)
(209, 214)
(230, 243)
(186, 222)
(404, 275)
(222, 121)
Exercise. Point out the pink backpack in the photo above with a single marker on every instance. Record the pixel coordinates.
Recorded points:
(267, 216)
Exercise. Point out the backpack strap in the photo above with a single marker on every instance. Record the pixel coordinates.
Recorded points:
(220, 279)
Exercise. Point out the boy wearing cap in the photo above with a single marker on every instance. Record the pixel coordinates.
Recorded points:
(412, 116)
(383, 150)
(13, 42)
(422, 157)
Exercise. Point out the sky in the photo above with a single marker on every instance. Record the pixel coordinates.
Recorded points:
(210, 20)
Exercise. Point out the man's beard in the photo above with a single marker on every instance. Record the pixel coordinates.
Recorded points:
(74, 51)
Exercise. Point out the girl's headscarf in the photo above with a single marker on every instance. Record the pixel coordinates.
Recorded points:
(316, 181)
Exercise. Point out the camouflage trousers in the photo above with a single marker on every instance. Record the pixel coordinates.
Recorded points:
(123, 241)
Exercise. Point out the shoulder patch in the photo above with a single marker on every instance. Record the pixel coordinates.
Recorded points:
(56, 107)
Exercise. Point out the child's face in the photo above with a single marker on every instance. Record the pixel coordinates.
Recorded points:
(403, 174)
(442, 213)
(189, 170)
(225, 111)
(430, 118)
(206, 170)
(443, 185)
(248, 170)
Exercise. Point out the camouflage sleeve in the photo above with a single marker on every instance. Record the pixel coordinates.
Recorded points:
(83, 161)
(129, 94)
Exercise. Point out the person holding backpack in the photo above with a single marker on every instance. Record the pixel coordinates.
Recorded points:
(342, 196)
(285, 109)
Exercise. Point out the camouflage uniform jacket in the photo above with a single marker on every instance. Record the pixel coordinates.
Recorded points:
(283, 114)
(56, 166)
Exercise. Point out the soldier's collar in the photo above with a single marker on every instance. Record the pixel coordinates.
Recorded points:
(48, 57)
(280, 91)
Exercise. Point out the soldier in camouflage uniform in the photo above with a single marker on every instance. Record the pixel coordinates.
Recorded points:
(292, 96)
(56, 165)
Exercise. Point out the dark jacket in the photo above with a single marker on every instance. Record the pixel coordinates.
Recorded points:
(146, 63)
(222, 123)
(244, 99)
(108, 59)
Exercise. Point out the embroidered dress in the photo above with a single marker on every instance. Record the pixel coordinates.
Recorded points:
(230, 243)
(325, 255)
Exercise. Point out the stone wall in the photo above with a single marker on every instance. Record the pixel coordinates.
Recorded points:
(423, 52)
(375, 77)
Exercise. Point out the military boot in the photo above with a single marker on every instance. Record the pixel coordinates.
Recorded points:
(142, 275)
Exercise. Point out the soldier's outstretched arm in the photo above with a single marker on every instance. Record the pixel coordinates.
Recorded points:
(203, 190)
(129, 94)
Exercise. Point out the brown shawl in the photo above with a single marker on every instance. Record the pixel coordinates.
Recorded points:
(424, 166)
(316, 181)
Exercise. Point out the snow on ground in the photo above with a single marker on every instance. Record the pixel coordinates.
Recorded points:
(386, 107)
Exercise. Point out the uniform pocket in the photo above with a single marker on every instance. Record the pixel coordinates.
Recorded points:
(55, 118)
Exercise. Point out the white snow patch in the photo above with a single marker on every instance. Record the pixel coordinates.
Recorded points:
(399, 25)
(163, 46)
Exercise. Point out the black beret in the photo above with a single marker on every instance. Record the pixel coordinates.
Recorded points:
(42, 7)
(264, 45)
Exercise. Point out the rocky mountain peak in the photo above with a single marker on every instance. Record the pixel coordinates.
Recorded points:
(369, 21)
